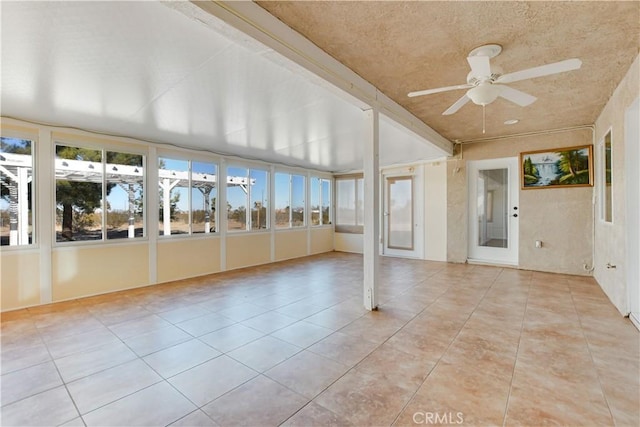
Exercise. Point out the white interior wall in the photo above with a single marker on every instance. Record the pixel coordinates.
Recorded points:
(433, 189)
(610, 237)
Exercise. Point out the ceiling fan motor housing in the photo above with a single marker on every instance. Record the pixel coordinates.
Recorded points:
(496, 72)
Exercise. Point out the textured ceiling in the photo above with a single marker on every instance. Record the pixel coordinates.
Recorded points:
(407, 46)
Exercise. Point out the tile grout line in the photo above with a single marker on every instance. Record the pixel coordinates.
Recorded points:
(357, 363)
(515, 362)
(595, 366)
(64, 383)
(448, 346)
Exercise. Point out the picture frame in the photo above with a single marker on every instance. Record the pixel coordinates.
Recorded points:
(557, 168)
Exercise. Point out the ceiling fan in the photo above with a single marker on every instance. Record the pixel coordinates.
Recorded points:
(485, 82)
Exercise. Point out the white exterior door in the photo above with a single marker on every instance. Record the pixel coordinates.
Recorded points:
(402, 232)
(493, 211)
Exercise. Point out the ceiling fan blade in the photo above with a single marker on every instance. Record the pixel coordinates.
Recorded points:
(516, 96)
(456, 105)
(437, 90)
(480, 66)
(543, 70)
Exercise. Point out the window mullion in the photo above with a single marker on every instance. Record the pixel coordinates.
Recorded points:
(189, 200)
(247, 218)
(104, 194)
(290, 200)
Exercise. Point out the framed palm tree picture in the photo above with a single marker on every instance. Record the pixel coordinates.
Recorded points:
(562, 167)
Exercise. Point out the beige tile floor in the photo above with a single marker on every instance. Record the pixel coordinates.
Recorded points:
(290, 343)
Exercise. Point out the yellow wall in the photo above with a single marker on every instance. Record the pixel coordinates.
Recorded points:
(348, 242)
(76, 270)
(290, 244)
(183, 258)
(245, 250)
(435, 211)
(20, 274)
(321, 240)
(88, 270)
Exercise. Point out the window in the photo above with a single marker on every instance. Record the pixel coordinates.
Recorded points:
(607, 203)
(204, 195)
(16, 191)
(188, 196)
(85, 179)
(78, 193)
(289, 200)
(247, 191)
(350, 204)
(125, 182)
(320, 201)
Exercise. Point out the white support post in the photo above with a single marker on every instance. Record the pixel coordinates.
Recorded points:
(23, 205)
(131, 206)
(14, 209)
(221, 223)
(151, 211)
(45, 207)
(272, 212)
(166, 207)
(308, 215)
(371, 209)
(206, 194)
(167, 186)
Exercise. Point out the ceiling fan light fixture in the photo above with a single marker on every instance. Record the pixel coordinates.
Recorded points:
(484, 93)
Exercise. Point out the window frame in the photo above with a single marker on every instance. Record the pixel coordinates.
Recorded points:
(34, 217)
(602, 174)
(190, 158)
(290, 175)
(330, 185)
(356, 227)
(90, 143)
(248, 199)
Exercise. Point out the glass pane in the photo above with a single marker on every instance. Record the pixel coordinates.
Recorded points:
(124, 178)
(174, 196)
(237, 195)
(16, 201)
(315, 201)
(259, 202)
(297, 200)
(78, 194)
(493, 210)
(345, 202)
(608, 215)
(283, 206)
(203, 197)
(326, 201)
(360, 201)
(400, 213)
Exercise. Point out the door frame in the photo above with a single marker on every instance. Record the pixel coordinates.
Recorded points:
(417, 196)
(490, 255)
(632, 159)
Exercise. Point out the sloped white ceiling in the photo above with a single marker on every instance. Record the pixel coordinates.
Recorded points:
(145, 70)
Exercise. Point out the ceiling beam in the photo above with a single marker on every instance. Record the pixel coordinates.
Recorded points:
(256, 22)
